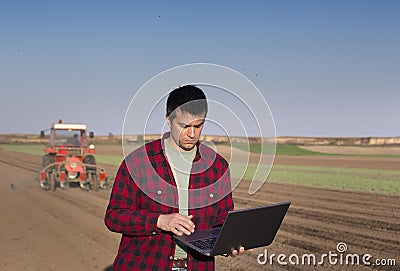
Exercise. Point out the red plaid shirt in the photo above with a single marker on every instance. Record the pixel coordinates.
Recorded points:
(144, 188)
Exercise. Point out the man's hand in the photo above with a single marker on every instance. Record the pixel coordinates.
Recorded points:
(176, 223)
(240, 251)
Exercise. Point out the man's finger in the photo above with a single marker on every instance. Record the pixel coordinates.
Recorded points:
(184, 227)
(177, 232)
(188, 225)
(184, 222)
(238, 251)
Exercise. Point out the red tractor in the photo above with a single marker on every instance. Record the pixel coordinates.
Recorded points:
(68, 159)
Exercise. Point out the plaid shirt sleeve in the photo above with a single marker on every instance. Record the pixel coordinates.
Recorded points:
(122, 215)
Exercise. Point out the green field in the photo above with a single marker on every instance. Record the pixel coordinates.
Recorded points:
(365, 180)
(295, 150)
(280, 149)
(30, 149)
(355, 179)
(38, 150)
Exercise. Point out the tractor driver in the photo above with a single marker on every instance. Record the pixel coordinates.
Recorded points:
(74, 141)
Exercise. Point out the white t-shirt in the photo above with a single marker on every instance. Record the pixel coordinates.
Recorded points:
(181, 165)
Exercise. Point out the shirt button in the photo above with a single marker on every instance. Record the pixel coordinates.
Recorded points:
(211, 195)
(171, 258)
(159, 192)
(154, 232)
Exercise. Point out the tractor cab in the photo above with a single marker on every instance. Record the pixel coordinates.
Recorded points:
(69, 137)
(65, 137)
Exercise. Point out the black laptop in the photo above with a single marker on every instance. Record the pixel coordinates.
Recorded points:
(250, 228)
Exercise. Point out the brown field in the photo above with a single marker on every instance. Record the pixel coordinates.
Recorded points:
(64, 230)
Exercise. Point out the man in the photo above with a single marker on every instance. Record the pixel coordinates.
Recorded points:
(74, 141)
(174, 185)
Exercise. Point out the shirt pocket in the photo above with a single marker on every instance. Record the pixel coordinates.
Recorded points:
(159, 200)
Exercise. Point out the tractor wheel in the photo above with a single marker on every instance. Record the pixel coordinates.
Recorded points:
(91, 160)
(48, 159)
(65, 185)
(45, 185)
(94, 182)
(52, 181)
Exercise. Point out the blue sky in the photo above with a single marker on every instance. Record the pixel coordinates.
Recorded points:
(326, 68)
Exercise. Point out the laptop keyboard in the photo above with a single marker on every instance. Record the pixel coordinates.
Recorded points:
(204, 243)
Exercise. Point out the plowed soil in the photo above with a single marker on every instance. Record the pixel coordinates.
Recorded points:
(64, 230)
